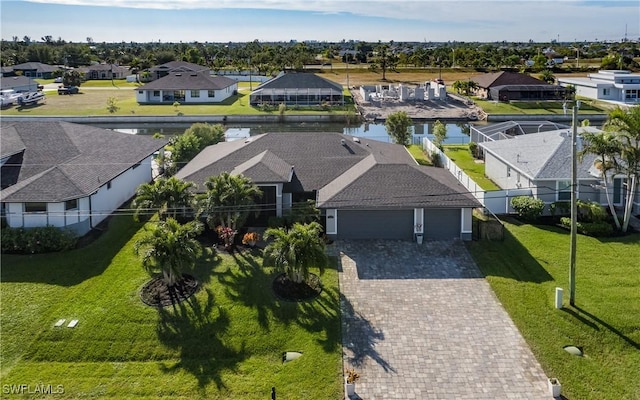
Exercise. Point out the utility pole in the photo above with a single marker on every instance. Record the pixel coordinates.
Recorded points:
(574, 205)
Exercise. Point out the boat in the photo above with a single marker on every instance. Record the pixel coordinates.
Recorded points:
(31, 98)
(9, 97)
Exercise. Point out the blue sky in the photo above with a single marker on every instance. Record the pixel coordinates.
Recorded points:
(322, 20)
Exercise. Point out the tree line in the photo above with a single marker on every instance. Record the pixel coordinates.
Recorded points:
(267, 58)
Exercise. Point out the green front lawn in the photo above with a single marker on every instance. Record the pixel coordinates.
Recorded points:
(524, 271)
(461, 156)
(534, 107)
(226, 343)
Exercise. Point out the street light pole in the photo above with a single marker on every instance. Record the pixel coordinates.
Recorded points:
(574, 205)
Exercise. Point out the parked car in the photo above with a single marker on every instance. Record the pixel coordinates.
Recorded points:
(58, 80)
(68, 90)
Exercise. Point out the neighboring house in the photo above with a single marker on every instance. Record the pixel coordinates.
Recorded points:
(297, 88)
(188, 88)
(18, 84)
(69, 175)
(104, 71)
(609, 85)
(508, 86)
(364, 188)
(35, 70)
(160, 71)
(7, 71)
(542, 163)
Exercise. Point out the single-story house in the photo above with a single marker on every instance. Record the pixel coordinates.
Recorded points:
(507, 86)
(35, 70)
(365, 189)
(608, 85)
(188, 88)
(69, 175)
(18, 84)
(542, 162)
(298, 88)
(104, 71)
(165, 69)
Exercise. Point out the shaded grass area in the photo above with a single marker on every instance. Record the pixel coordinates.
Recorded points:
(524, 271)
(418, 153)
(460, 155)
(225, 342)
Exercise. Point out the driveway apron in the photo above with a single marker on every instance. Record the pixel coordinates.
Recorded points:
(420, 322)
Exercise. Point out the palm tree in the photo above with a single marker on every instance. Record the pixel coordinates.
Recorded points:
(605, 146)
(166, 195)
(229, 200)
(626, 126)
(170, 248)
(297, 250)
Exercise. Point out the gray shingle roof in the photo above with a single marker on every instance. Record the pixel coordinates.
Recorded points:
(62, 161)
(299, 80)
(265, 167)
(189, 81)
(37, 66)
(179, 66)
(344, 172)
(544, 155)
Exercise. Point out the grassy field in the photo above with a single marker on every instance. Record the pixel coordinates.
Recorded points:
(92, 100)
(524, 271)
(226, 343)
(419, 154)
(463, 159)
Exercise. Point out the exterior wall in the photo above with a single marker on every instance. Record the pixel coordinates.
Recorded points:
(146, 96)
(123, 187)
(466, 223)
(77, 220)
(503, 175)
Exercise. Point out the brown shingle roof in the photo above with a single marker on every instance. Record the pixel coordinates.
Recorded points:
(505, 78)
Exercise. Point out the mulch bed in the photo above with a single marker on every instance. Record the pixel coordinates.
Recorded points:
(157, 293)
(288, 290)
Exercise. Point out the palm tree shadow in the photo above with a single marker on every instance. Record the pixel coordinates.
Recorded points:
(359, 337)
(197, 332)
(593, 321)
(252, 285)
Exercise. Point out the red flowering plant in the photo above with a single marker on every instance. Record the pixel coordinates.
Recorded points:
(226, 234)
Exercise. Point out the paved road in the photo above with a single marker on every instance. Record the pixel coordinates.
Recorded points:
(420, 322)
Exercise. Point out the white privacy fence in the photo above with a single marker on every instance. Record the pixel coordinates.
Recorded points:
(496, 201)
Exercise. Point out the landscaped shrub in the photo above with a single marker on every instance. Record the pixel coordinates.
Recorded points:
(473, 149)
(560, 208)
(528, 208)
(36, 240)
(436, 160)
(595, 229)
(591, 211)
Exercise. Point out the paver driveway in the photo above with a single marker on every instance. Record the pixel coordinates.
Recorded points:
(420, 322)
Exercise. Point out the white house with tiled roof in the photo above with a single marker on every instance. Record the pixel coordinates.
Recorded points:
(187, 88)
(69, 175)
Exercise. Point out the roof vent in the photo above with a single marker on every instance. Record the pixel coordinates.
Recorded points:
(356, 139)
(343, 142)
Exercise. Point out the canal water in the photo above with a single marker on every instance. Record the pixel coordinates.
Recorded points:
(457, 133)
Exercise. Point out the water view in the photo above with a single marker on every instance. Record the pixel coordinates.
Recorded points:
(457, 133)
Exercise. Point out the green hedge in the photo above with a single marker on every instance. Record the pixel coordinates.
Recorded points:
(528, 208)
(36, 240)
(595, 229)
